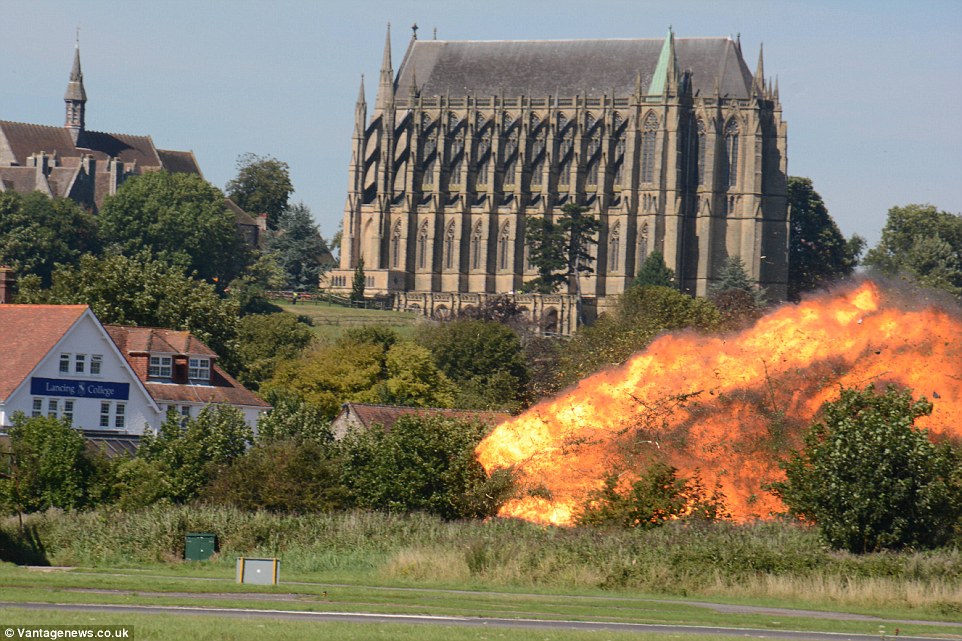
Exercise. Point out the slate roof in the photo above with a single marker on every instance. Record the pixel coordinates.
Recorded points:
(25, 139)
(136, 343)
(387, 415)
(30, 332)
(538, 68)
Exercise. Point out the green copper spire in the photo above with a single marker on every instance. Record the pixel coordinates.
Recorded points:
(666, 71)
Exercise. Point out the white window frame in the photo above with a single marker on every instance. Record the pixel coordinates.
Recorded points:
(163, 364)
(198, 369)
(105, 414)
(96, 364)
(79, 363)
(64, 367)
(37, 410)
(120, 415)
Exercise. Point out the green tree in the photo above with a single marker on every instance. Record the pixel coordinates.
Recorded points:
(190, 454)
(423, 463)
(655, 498)
(923, 243)
(179, 218)
(144, 292)
(560, 248)
(282, 476)
(364, 366)
(299, 249)
(359, 282)
(817, 251)
(250, 288)
(262, 186)
(264, 340)
(484, 359)
(870, 480)
(37, 233)
(48, 466)
(654, 272)
(292, 419)
(734, 276)
(640, 314)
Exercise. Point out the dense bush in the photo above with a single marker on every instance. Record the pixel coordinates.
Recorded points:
(422, 463)
(48, 466)
(870, 479)
(655, 498)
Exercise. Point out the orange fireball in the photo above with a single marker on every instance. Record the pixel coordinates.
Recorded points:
(728, 408)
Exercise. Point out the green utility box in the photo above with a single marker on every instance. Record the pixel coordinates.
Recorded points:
(199, 547)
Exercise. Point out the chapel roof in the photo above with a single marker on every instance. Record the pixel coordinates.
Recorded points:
(538, 68)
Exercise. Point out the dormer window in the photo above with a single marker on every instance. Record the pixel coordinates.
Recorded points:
(199, 369)
(160, 367)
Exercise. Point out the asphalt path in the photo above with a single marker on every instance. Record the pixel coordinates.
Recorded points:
(483, 622)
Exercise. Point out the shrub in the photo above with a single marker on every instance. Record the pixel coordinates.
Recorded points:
(870, 480)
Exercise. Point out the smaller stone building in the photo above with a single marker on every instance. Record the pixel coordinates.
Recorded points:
(74, 162)
(364, 416)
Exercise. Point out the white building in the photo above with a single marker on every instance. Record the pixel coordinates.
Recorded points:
(60, 361)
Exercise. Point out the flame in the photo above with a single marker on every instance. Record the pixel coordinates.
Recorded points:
(728, 408)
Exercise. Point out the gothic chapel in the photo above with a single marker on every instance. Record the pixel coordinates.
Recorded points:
(674, 144)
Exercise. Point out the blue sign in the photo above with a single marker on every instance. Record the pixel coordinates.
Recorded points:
(79, 389)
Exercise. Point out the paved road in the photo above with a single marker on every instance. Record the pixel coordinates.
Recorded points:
(491, 622)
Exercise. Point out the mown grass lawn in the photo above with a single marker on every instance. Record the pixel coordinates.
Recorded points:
(330, 321)
(214, 586)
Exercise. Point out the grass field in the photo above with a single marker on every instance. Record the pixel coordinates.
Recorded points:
(211, 587)
(420, 565)
(147, 627)
(331, 320)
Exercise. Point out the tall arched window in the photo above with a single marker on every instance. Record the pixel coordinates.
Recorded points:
(504, 242)
(593, 151)
(423, 245)
(510, 156)
(619, 164)
(396, 245)
(476, 246)
(731, 152)
(455, 148)
(649, 136)
(701, 146)
(564, 150)
(537, 151)
(449, 246)
(614, 248)
(429, 150)
(484, 152)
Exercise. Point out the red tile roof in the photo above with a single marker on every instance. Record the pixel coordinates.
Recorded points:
(30, 332)
(387, 415)
(135, 343)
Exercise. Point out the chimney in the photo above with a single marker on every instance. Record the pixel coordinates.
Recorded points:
(7, 283)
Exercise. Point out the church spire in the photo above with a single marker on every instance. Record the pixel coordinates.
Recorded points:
(665, 78)
(759, 80)
(360, 110)
(75, 97)
(385, 89)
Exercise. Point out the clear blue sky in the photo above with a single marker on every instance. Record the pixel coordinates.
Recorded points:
(871, 89)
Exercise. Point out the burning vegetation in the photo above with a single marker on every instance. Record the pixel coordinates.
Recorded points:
(726, 409)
